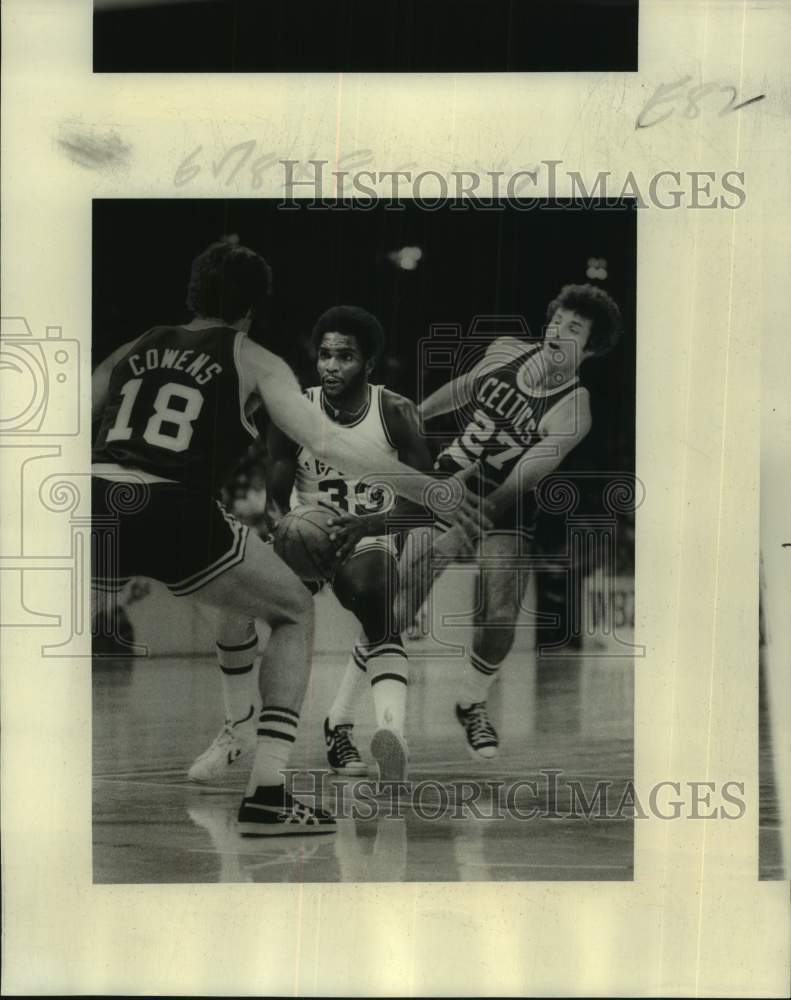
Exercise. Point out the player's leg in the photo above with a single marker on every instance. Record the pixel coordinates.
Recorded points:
(263, 587)
(419, 567)
(500, 588)
(343, 755)
(237, 651)
(236, 642)
(366, 586)
(189, 542)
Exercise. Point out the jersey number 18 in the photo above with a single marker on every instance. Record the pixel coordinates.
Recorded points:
(164, 413)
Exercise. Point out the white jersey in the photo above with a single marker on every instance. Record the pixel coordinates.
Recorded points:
(317, 482)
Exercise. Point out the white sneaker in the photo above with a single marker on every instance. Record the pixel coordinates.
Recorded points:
(232, 743)
(389, 750)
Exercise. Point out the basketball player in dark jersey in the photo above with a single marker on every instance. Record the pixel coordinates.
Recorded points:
(173, 409)
(348, 342)
(520, 412)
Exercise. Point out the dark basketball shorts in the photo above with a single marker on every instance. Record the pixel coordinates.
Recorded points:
(519, 519)
(164, 531)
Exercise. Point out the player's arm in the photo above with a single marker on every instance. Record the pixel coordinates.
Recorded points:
(401, 423)
(562, 430)
(280, 471)
(452, 396)
(458, 393)
(340, 446)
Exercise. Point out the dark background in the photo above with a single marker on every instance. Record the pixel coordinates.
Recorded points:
(474, 262)
(366, 35)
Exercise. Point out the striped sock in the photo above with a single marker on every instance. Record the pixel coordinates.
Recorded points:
(478, 677)
(388, 669)
(277, 732)
(239, 687)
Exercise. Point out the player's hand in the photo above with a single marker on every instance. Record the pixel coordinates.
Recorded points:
(270, 519)
(470, 513)
(346, 530)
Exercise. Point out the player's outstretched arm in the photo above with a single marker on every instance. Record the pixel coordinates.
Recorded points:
(452, 396)
(427, 555)
(459, 392)
(280, 472)
(564, 428)
(343, 447)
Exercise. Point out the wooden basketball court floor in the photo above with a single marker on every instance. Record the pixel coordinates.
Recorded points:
(573, 714)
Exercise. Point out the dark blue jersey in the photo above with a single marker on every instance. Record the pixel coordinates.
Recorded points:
(175, 408)
(505, 417)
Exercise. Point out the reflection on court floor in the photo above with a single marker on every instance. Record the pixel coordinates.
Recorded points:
(564, 723)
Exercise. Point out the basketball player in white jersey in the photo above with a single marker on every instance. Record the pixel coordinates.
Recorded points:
(520, 411)
(348, 341)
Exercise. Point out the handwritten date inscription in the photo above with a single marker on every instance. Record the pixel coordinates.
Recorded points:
(671, 98)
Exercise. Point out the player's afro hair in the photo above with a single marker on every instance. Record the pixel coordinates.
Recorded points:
(353, 322)
(596, 305)
(227, 280)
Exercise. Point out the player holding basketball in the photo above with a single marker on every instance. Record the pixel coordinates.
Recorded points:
(520, 411)
(348, 341)
(174, 410)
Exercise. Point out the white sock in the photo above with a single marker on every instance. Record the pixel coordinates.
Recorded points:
(239, 679)
(388, 670)
(342, 709)
(277, 732)
(477, 679)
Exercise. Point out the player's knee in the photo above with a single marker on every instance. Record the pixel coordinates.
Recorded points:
(355, 594)
(295, 604)
(235, 630)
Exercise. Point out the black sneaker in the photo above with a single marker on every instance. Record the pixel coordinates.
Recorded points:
(273, 812)
(482, 739)
(342, 755)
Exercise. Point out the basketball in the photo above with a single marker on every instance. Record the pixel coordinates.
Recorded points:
(302, 540)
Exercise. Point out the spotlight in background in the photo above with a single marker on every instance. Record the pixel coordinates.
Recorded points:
(597, 268)
(406, 258)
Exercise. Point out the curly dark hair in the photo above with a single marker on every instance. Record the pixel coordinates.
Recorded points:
(353, 322)
(227, 280)
(596, 305)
